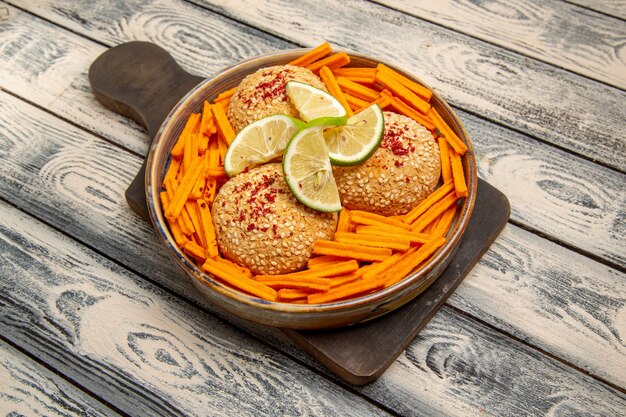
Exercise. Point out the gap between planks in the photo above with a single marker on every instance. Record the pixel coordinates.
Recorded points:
(534, 347)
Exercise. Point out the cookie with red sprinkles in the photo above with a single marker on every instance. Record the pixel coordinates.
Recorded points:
(260, 225)
(263, 94)
(402, 172)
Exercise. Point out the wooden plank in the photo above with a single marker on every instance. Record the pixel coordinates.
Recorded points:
(454, 356)
(560, 298)
(558, 204)
(567, 198)
(65, 176)
(535, 29)
(141, 349)
(29, 389)
(551, 104)
(48, 65)
(615, 8)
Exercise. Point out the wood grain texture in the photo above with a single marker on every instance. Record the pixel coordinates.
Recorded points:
(28, 389)
(552, 104)
(548, 197)
(567, 198)
(141, 349)
(481, 78)
(574, 301)
(46, 177)
(615, 8)
(595, 42)
(48, 65)
(149, 353)
(455, 356)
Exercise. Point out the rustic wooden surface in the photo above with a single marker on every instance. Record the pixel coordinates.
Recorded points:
(96, 320)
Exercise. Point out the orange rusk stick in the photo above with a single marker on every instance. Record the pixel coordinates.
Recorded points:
(209, 190)
(223, 125)
(333, 88)
(395, 243)
(165, 200)
(288, 294)
(378, 269)
(402, 92)
(218, 172)
(195, 251)
(444, 222)
(185, 222)
(324, 260)
(190, 150)
(178, 234)
(313, 55)
(356, 103)
(207, 227)
(403, 108)
(318, 284)
(230, 264)
(444, 152)
(332, 62)
(355, 72)
(405, 266)
(343, 279)
(222, 147)
(457, 174)
(383, 102)
(192, 209)
(187, 153)
(357, 90)
(344, 220)
(239, 280)
(170, 187)
(203, 143)
(322, 271)
(224, 95)
(418, 89)
(373, 219)
(428, 202)
(172, 170)
(184, 189)
(455, 142)
(344, 291)
(428, 229)
(198, 188)
(358, 75)
(339, 268)
(207, 123)
(177, 150)
(214, 156)
(364, 253)
(433, 212)
(381, 231)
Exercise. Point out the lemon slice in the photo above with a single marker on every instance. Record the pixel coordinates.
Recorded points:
(313, 103)
(259, 142)
(308, 171)
(358, 139)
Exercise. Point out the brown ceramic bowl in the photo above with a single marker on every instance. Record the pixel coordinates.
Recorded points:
(296, 316)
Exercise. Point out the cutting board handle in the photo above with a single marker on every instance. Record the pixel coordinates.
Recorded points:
(142, 81)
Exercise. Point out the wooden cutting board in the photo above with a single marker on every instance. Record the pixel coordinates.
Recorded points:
(142, 81)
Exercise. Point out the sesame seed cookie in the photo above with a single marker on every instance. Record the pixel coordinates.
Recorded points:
(402, 172)
(260, 224)
(263, 94)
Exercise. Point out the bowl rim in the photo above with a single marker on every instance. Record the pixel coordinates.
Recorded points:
(153, 184)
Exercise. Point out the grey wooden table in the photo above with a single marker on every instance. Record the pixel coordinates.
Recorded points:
(96, 320)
